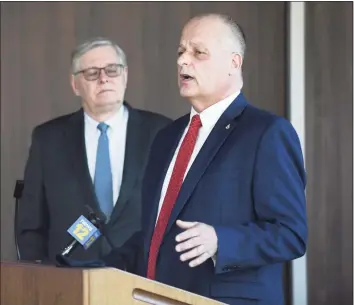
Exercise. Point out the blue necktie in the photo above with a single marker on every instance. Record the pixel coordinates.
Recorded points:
(103, 174)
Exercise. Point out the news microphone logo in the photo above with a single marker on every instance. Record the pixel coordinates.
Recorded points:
(84, 232)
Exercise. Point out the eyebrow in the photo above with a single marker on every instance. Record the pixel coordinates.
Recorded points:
(194, 45)
(104, 66)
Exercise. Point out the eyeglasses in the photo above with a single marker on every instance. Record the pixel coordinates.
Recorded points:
(91, 74)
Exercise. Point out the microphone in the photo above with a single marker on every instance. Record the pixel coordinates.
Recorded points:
(96, 218)
(84, 231)
(93, 225)
(101, 221)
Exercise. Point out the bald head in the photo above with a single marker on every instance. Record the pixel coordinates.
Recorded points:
(231, 32)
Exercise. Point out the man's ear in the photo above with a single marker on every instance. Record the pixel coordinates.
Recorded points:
(74, 85)
(125, 71)
(237, 61)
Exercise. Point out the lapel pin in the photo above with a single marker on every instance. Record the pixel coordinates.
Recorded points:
(227, 126)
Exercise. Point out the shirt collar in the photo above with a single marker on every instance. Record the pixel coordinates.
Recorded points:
(211, 115)
(113, 122)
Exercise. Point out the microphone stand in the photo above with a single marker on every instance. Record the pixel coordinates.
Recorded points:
(69, 248)
(17, 195)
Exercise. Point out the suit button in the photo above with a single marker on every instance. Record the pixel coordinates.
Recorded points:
(227, 269)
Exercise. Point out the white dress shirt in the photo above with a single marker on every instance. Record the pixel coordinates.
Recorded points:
(116, 133)
(209, 117)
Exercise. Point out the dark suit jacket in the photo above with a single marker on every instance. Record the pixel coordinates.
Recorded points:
(248, 182)
(57, 186)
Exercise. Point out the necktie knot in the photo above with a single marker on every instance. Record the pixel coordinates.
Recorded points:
(196, 122)
(102, 127)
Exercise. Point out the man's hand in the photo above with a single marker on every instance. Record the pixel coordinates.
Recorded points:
(200, 238)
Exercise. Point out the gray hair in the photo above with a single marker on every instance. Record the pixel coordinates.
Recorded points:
(238, 35)
(237, 32)
(91, 44)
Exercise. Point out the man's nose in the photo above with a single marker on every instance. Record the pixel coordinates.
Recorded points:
(102, 77)
(184, 59)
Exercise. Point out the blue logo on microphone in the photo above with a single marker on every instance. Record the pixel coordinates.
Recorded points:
(84, 232)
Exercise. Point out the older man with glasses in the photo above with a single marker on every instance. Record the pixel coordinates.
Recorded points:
(95, 156)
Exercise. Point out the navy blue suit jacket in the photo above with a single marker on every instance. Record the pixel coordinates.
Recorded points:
(248, 182)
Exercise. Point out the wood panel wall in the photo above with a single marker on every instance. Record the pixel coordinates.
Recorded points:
(329, 151)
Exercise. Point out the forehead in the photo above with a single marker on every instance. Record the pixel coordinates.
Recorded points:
(203, 32)
(98, 57)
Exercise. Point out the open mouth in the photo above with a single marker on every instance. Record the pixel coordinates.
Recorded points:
(186, 77)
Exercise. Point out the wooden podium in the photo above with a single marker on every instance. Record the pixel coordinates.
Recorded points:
(35, 284)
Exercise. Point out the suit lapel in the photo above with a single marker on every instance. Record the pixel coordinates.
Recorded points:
(217, 137)
(169, 144)
(75, 142)
(133, 160)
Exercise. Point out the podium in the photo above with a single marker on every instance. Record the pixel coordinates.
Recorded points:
(36, 284)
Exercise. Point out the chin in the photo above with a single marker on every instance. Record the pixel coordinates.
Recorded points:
(107, 103)
(108, 100)
(186, 93)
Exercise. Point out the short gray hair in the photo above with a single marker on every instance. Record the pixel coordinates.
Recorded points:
(91, 44)
(237, 32)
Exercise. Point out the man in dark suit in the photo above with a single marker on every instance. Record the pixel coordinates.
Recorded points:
(95, 156)
(223, 194)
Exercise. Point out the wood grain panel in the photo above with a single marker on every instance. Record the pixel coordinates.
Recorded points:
(30, 284)
(329, 151)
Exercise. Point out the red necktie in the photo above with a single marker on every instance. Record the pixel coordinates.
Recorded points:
(174, 186)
